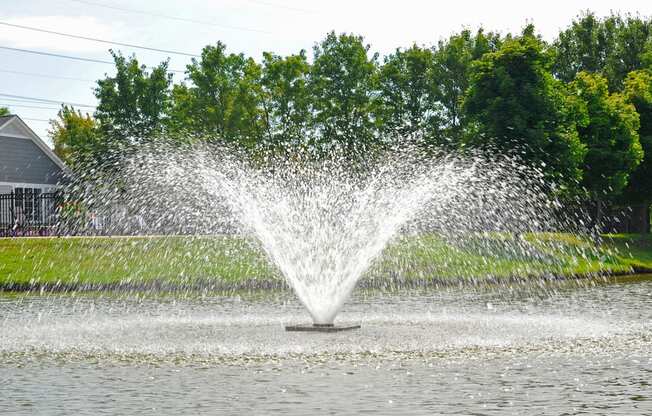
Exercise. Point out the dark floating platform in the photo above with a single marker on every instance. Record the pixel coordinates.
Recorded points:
(320, 328)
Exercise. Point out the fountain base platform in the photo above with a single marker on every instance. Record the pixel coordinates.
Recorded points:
(320, 328)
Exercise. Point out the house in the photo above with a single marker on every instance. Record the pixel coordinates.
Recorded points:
(30, 173)
(26, 162)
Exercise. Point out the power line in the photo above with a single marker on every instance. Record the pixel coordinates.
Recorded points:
(35, 119)
(33, 74)
(45, 100)
(282, 6)
(75, 58)
(18, 100)
(27, 106)
(165, 16)
(56, 55)
(129, 45)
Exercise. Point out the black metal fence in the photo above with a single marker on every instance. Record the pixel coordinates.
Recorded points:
(29, 213)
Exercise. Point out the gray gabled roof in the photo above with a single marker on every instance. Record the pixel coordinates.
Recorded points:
(5, 120)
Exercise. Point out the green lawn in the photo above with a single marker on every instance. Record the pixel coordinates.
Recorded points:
(120, 259)
(179, 260)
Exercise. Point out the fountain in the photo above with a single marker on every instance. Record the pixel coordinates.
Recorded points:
(323, 222)
(414, 235)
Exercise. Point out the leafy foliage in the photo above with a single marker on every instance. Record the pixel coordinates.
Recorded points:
(552, 105)
(133, 104)
(75, 136)
(286, 99)
(612, 47)
(638, 92)
(408, 95)
(222, 100)
(453, 60)
(342, 87)
(610, 136)
(517, 107)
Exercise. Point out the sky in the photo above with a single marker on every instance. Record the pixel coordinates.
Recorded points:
(247, 26)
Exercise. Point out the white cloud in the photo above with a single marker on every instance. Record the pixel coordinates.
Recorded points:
(87, 26)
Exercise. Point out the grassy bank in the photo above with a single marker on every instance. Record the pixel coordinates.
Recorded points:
(183, 260)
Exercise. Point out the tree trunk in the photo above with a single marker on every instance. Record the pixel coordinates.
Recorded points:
(640, 219)
(598, 216)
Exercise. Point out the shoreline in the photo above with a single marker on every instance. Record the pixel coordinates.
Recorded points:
(227, 264)
(211, 286)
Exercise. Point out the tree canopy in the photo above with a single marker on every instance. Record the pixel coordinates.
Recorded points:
(611, 47)
(75, 137)
(638, 92)
(578, 108)
(133, 104)
(342, 82)
(517, 107)
(610, 135)
(220, 99)
(453, 59)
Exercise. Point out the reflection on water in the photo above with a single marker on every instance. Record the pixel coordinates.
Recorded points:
(492, 352)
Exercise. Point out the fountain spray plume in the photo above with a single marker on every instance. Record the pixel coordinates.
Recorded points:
(324, 221)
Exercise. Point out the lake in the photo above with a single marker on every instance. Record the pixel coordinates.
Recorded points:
(541, 349)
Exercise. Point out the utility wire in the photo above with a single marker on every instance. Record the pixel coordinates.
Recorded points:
(45, 100)
(21, 101)
(129, 45)
(35, 119)
(166, 16)
(28, 106)
(76, 58)
(56, 55)
(282, 6)
(33, 74)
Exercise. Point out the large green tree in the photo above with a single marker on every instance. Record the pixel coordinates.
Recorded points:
(75, 137)
(285, 99)
(611, 138)
(633, 41)
(4, 111)
(638, 92)
(408, 96)
(342, 87)
(222, 100)
(134, 102)
(612, 47)
(516, 107)
(453, 59)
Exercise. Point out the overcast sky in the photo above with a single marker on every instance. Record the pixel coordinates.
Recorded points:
(249, 26)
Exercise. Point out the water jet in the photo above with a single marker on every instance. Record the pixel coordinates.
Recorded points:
(324, 223)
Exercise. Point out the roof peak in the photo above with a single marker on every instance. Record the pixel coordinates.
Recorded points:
(6, 118)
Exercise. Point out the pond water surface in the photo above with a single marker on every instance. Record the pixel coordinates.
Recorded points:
(575, 349)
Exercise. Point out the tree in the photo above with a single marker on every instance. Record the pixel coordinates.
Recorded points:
(408, 95)
(611, 138)
(223, 100)
(285, 99)
(342, 88)
(4, 111)
(633, 37)
(638, 92)
(583, 46)
(452, 72)
(612, 47)
(516, 107)
(132, 104)
(646, 56)
(75, 137)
